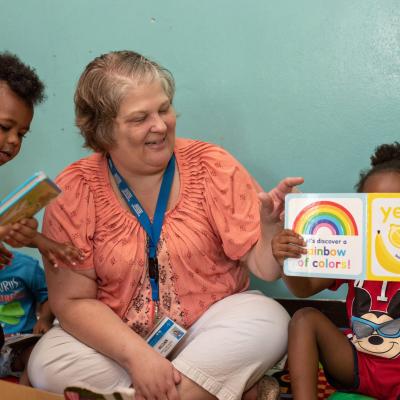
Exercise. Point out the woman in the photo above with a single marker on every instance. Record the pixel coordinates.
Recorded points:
(210, 238)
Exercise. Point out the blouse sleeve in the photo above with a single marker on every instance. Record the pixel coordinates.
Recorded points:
(71, 216)
(232, 203)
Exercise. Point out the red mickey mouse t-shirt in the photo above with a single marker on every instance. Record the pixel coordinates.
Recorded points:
(373, 310)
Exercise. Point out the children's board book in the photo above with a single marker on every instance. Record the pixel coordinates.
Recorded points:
(14, 345)
(348, 235)
(21, 340)
(27, 199)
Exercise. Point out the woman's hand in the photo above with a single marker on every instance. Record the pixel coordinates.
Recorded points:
(287, 244)
(55, 252)
(22, 232)
(260, 259)
(273, 202)
(154, 377)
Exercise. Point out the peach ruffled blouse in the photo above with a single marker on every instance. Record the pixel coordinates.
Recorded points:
(214, 223)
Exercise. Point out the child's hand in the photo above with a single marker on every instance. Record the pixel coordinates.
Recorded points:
(64, 252)
(42, 326)
(4, 231)
(22, 232)
(287, 244)
(56, 252)
(5, 256)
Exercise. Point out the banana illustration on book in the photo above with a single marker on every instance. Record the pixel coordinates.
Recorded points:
(394, 235)
(384, 257)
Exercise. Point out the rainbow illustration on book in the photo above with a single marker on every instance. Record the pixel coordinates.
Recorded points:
(346, 235)
(325, 216)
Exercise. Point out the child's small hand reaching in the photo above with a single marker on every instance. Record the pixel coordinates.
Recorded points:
(46, 318)
(64, 252)
(42, 326)
(21, 233)
(287, 244)
(4, 229)
(56, 252)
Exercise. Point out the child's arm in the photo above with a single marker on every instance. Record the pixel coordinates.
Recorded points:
(55, 252)
(288, 244)
(18, 234)
(46, 318)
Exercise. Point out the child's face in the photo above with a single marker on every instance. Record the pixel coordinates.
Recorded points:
(383, 182)
(15, 120)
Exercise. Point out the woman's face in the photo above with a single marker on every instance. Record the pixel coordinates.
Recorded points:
(15, 119)
(144, 129)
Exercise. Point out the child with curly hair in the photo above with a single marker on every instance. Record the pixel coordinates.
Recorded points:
(22, 281)
(20, 91)
(365, 358)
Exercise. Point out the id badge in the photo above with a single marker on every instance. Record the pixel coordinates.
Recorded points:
(165, 336)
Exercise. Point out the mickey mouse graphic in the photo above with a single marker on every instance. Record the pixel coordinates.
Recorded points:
(376, 332)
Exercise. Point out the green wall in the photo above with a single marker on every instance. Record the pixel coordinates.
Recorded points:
(289, 87)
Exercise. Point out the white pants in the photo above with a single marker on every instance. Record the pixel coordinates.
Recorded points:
(226, 351)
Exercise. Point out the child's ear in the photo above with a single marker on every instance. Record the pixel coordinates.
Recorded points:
(393, 309)
(361, 303)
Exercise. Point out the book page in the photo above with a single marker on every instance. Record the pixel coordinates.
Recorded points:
(383, 261)
(348, 236)
(333, 226)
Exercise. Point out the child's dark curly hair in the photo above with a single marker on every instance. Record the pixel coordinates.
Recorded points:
(21, 79)
(385, 158)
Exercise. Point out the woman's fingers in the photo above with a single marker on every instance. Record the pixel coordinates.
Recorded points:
(268, 211)
(273, 202)
(177, 376)
(172, 393)
(286, 186)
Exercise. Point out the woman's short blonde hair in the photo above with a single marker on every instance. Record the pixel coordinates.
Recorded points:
(103, 85)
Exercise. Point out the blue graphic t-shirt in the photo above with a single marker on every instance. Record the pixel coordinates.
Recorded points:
(22, 287)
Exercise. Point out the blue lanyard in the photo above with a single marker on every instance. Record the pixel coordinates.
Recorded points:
(153, 230)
